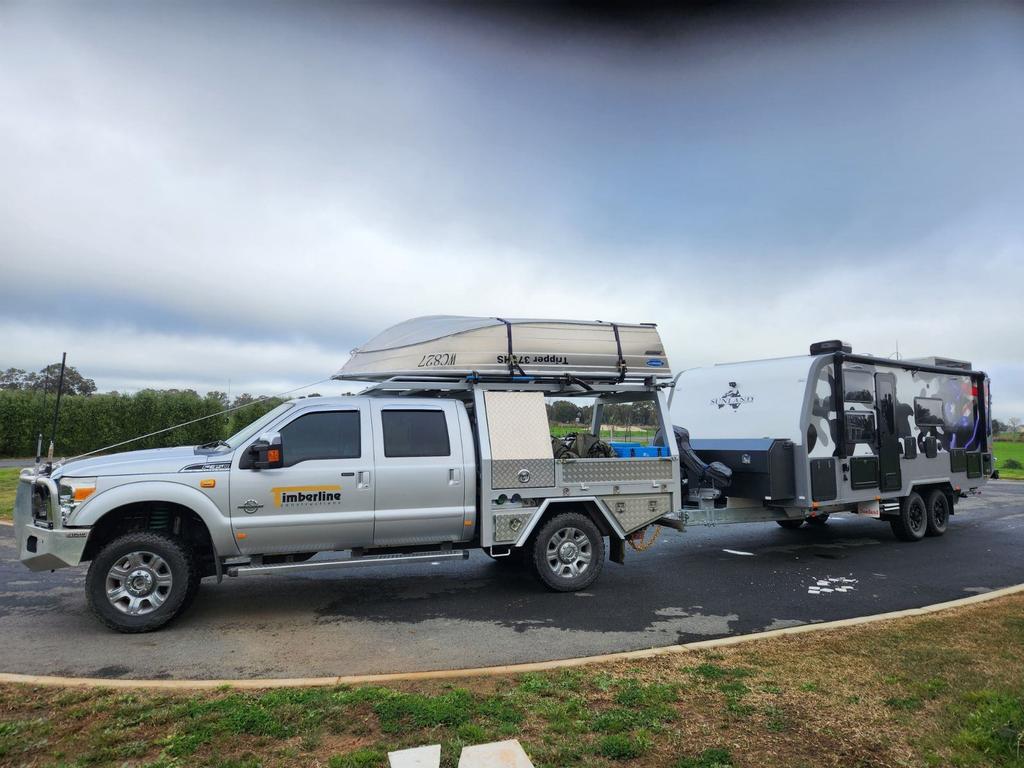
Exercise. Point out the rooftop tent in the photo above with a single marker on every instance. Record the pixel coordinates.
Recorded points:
(449, 345)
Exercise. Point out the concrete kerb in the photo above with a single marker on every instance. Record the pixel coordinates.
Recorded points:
(510, 669)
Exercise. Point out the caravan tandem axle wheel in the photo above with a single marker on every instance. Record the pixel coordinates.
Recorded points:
(911, 523)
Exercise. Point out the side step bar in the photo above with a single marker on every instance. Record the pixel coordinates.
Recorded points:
(349, 562)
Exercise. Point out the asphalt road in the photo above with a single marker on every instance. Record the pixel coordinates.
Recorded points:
(689, 586)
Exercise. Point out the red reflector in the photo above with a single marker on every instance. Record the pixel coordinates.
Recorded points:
(273, 455)
(974, 391)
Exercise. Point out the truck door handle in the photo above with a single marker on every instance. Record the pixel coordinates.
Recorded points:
(454, 476)
(364, 479)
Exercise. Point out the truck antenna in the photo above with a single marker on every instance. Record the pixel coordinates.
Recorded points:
(56, 411)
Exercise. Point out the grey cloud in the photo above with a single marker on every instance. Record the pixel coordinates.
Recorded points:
(298, 178)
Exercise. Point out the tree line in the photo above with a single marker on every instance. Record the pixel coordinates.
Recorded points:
(90, 420)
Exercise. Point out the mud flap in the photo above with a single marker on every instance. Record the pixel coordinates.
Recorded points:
(616, 550)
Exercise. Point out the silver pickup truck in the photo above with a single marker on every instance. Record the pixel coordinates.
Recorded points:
(409, 471)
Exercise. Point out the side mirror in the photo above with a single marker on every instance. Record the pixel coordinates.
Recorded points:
(267, 452)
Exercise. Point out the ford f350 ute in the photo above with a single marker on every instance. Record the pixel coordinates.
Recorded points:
(432, 460)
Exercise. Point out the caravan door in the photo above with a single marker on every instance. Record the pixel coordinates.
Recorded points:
(888, 441)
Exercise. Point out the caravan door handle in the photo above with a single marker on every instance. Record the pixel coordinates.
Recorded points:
(363, 481)
(454, 476)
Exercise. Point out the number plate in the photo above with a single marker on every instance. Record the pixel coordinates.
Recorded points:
(869, 509)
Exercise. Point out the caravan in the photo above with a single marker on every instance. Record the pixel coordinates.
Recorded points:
(800, 438)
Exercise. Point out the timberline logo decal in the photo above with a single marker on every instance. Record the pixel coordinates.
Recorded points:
(306, 494)
(731, 398)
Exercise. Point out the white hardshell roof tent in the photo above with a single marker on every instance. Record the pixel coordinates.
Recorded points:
(450, 345)
(757, 399)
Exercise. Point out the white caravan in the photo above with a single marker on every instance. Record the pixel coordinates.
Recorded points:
(805, 437)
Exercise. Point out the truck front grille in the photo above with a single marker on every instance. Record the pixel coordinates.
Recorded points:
(40, 501)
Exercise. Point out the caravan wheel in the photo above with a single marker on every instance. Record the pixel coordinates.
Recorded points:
(938, 513)
(912, 522)
(790, 525)
(818, 520)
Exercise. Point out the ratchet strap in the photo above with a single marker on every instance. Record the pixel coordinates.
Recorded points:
(621, 364)
(513, 364)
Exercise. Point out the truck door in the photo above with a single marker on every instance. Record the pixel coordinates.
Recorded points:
(888, 441)
(420, 483)
(321, 499)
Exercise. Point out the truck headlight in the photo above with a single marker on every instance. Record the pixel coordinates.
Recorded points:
(73, 491)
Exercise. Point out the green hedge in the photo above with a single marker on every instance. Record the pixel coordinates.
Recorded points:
(88, 422)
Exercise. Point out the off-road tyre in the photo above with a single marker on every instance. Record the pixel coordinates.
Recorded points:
(790, 525)
(911, 523)
(554, 563)
(175, 560)
(938, 513)
(818, 521)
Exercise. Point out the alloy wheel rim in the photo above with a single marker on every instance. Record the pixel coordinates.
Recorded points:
(568, 552)
(138, 583)
(939, 512)
(917, 516)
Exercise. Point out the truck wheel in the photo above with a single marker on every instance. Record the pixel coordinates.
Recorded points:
(790, 525)
(819, 520)
(938, 513)
(568, 552)
(912, 521)
(140, 581)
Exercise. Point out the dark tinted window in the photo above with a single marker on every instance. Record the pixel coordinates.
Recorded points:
(886, 405)
(860, 427)
(858, 387)
(324, 435)
(415, 433)
(928, 411)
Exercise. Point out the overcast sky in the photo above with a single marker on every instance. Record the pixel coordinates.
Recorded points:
(192, 195)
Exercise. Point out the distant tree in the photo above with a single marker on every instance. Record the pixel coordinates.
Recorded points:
(46, 380)
(1014, 423)
(218, 397)
(564, 412)
(998, 427)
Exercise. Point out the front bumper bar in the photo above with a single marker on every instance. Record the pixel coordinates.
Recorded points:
(40, 547)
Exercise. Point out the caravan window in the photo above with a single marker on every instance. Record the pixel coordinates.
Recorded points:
(928, 411)
(858, 387)
(860, 428)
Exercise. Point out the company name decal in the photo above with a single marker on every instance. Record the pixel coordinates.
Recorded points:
(306, 494)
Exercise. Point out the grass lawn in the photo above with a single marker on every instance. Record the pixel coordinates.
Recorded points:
(608, 432)
(1005, 449)
(939, 690)
(8, 486)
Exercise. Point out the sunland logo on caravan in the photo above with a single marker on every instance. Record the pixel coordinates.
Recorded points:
(731, 398)
(306, 494)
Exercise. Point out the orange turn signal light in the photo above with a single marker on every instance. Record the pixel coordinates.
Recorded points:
(81, 494)
(241, 535)
(274, 454)
(208, 483)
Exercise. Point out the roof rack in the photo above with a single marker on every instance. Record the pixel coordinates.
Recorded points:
(565, 384)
